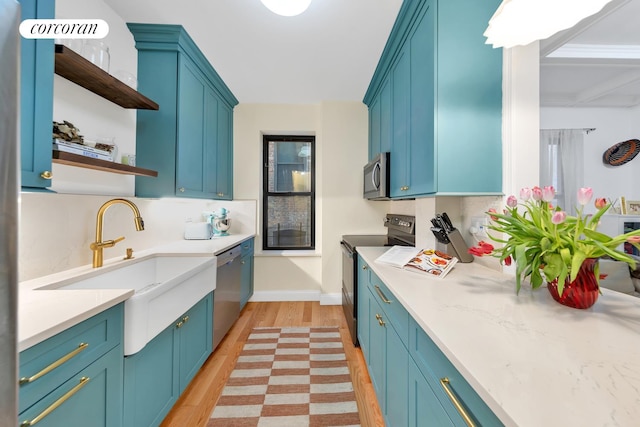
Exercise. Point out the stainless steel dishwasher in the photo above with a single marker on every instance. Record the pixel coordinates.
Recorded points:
(226, 297)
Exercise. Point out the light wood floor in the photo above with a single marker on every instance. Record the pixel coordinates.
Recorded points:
(197, 402)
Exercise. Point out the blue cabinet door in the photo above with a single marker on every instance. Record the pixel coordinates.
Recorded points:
(376, 363)
(385, 117)
(397, 377)
(424, 408)
(401, 97)
(423, 167)
(469, 108)
(191, 123)
(36, 98)
(151, 383)
(224, 149)
(91, 398)
(196, 339)
(246, 284)
(374, 128)
(363, 307)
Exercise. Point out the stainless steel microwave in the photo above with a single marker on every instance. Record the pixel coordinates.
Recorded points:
(376, 178)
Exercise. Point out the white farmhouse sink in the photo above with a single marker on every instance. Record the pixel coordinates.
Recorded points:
(165, 287)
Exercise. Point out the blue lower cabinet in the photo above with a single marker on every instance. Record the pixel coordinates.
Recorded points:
(196, 340)
(385, 353)
(424, 408)
(246, 276)
(155, 377)
(462, 402)
(363, 307)
(415, 383)
(91, 398)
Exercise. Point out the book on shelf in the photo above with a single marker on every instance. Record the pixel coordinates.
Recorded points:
(70, 147)
(427, 261)
(86, 147)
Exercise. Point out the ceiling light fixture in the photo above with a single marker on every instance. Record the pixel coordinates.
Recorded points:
(520, 22)
(287, 7)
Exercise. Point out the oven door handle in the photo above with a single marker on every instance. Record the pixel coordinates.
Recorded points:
(345, 250)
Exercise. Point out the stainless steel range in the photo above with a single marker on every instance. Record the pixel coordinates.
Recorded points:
(400, 231)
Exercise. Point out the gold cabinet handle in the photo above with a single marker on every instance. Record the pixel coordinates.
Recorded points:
(46, 175)
(404, 188)
(463, 412)
(181, 189)
(185, 319)
(81, 347)
(220, 194)
(55, 405)
(384, 299)
(180, 324)
(364, 267)
(380, 321)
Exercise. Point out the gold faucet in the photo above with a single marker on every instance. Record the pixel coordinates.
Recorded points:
(99, 245)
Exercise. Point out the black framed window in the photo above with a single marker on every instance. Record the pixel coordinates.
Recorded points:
(288, 214)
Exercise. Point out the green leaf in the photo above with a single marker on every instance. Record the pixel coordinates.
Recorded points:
(576, 263)
(595, 235)
(553, 265)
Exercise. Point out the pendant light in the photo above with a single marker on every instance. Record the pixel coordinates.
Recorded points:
(520, 22)
(287, 7)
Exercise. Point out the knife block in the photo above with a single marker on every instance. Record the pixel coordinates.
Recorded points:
(456, 247)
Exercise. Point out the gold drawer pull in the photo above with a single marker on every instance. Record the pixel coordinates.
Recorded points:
(380, 321)
(463, 413)
(185, 319)
(55, 405)
(384, 299)
(364, 267)
(180, 324)
(54, 365)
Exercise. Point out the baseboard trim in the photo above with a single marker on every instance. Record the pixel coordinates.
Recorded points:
(273, 296)
(279, 296)
(331, 299)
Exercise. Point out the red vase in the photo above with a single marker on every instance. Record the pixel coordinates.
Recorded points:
(582, 292)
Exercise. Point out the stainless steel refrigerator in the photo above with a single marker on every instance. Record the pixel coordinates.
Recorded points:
(9, 191)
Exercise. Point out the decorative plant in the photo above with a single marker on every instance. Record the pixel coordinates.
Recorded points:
(545, 240)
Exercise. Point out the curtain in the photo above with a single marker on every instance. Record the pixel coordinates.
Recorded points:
(562, 164)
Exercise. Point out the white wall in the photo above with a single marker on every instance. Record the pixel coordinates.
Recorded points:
(612, 125)
(341, 152)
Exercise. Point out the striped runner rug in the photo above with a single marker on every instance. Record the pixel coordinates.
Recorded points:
(289, 377)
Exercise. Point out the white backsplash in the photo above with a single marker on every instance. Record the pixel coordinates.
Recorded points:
(57, 229)
(461, 210)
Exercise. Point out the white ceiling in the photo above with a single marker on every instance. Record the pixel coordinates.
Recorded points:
(328, 53)
(605, 68)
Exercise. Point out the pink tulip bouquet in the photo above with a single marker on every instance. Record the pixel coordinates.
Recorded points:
(545, 240)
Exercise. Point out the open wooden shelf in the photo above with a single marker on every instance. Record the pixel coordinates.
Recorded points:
(77, 69)
(71, 159)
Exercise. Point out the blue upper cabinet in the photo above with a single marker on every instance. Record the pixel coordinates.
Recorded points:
(445, 88)
(36, 99)
(189, 141)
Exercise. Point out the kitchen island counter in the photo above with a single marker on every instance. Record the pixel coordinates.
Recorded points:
(533, 361)
(42, 313)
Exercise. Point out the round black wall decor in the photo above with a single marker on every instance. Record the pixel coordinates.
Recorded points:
(621, 153)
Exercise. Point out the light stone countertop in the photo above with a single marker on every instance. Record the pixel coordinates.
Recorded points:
(45, 313)
(533, 361)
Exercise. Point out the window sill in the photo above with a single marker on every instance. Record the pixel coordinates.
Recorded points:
(287, 253)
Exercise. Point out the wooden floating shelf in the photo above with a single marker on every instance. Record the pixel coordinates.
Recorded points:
(77, 160)
(82, 72)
